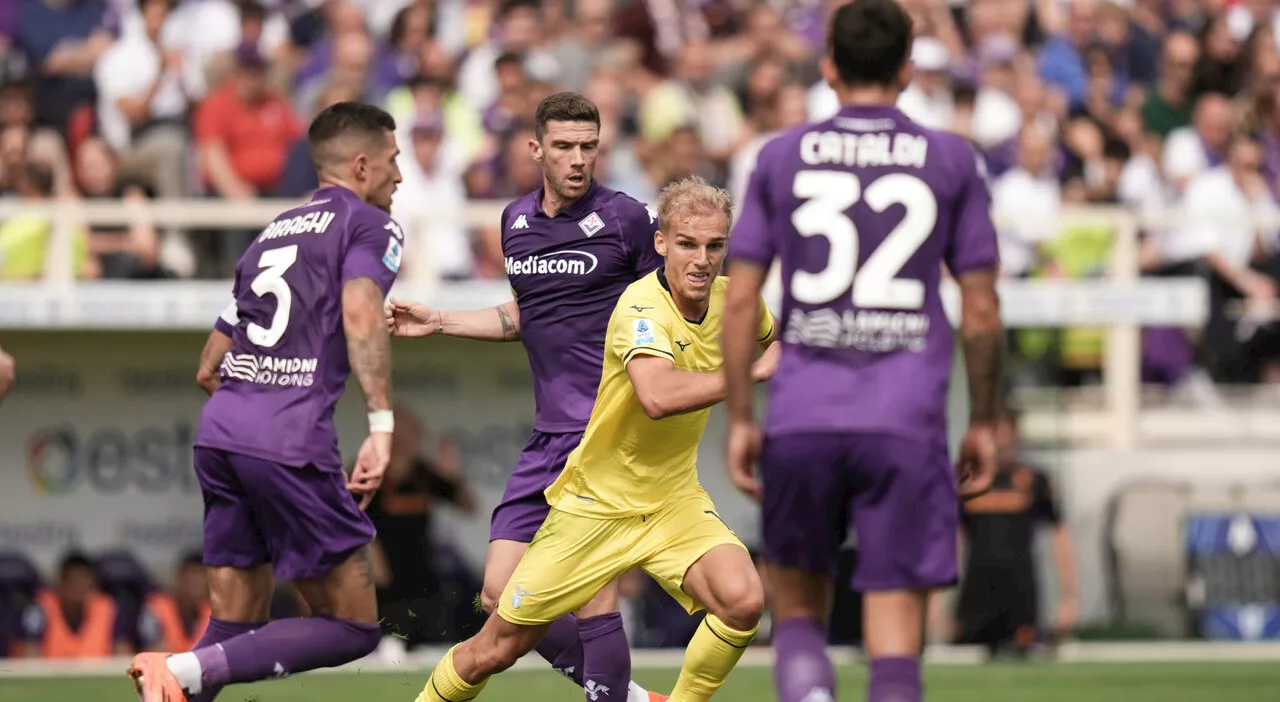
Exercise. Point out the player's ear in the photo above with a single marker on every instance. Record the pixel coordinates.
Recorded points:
(829, 74)
(535, 150)
(360, 166)
(906, 74)
(660, 243)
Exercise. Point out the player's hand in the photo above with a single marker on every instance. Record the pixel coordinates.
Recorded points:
(744, 448)
(976, 465)
(764, 366)
(371, 465)
(412, 319)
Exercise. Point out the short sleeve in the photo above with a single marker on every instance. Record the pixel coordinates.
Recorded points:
(767, 327)
(636, 329)
(639, 222)
(1045, 502)
(972, 244)
(752, 238)
(34, 623)
(230, 317)
(374, 250)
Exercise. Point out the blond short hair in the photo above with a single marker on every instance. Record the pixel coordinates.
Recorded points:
(692, 196)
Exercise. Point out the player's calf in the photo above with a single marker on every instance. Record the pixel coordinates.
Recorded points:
(724, 581)
(467, 667)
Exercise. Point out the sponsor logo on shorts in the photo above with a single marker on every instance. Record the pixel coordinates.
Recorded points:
(644, 331)
(270, 370)
(517, 599)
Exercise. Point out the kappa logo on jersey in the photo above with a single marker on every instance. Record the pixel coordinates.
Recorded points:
(652, 215)
(644, 331)
(517, 599)
(570, 262)
(391, 259)
(591, 224)
(521, 223)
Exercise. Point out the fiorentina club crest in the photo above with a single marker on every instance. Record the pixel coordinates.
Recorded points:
(591, 224)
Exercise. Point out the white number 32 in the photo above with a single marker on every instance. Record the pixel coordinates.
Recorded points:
(828, 196)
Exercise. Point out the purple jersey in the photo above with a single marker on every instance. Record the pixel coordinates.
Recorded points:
(863, 209)
(288, 361)
(567, 272)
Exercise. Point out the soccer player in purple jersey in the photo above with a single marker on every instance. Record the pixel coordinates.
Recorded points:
(307, 312)
(863, 210)
(571, 248)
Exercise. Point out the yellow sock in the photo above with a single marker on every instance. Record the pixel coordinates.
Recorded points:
(712, 653)
(446, 686)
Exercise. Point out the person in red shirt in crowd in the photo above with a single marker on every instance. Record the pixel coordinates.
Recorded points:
(244, 129)
(174, 622)
(74, 619)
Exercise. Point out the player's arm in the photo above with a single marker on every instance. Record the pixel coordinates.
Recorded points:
(982, 336)
(368, 344)
(216, 348)
(751, 252)
(664, 391)
(6, 374)
(501, 323)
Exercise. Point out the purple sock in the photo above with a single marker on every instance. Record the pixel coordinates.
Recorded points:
(606, 657)
(562, 647)
(220, 630)
(894, 680)
(801, 668)
(284, 647)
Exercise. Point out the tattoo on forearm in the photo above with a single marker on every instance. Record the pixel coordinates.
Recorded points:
(984, 360)
(510, 332)
(370, 354)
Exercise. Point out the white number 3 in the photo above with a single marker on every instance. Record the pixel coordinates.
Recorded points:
(271, 282)
(828, 196)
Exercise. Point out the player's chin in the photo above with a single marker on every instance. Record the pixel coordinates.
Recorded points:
(576, 185)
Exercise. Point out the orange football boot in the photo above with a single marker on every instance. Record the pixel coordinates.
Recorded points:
(655, 697)
(153, 680)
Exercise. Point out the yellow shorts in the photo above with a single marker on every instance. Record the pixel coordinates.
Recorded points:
(572, 558)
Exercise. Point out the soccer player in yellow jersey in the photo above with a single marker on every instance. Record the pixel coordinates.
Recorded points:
(629, 494)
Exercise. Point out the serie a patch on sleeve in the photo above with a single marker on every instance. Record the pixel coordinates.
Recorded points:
(391, 259)
(644, 331)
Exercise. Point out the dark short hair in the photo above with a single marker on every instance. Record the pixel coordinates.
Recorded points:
(870, 41)
(564, 107)
(343, 119)
(74, 559)
(506, 7)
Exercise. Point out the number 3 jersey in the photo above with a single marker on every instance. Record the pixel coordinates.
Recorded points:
(288, 361)
(863, 210)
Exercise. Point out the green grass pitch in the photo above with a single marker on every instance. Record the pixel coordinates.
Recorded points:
(1108, 682)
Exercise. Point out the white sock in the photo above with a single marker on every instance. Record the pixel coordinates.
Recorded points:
(635, 693)
(186, 668)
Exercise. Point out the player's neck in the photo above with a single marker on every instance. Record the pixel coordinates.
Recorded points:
(328, 181)
(553, 204)
(868, 96)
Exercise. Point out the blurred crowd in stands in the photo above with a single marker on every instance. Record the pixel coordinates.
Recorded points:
(1165, 107)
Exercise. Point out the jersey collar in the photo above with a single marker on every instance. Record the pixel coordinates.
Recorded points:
(662, 280)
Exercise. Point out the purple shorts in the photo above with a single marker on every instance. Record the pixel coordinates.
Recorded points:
(524, 507)
(898, 494)
(301, 520)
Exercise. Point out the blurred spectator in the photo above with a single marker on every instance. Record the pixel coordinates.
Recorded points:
(299, 178)
(998, 603)
(74, 619)
(1191, 150)
(244, 129)
(1025, 200)
(348, 60)
(692, 98)
(404, 552)
(580, 49)
(62, 40)
(130, 251)
(1168, 103)
(517, 32)
(1220, 212)
(996, 115)
(142, 105)
(430, 201)
(928, 100)
(1062, 59)
(25, 238)
(175, 622)
(1219, 69)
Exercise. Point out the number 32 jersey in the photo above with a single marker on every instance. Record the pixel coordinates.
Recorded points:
(288, 361)
(863, 210)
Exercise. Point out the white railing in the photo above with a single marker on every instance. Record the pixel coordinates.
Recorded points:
(1122, 302)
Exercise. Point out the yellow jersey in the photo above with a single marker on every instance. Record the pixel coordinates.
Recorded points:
(628, 464)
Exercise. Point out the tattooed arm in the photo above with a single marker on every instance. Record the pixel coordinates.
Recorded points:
(215, 349)
(982, 335)
(501, 323)
(368, 344)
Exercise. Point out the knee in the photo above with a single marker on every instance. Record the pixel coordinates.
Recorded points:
(489, 598)
(741, 604)
(365, 640)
